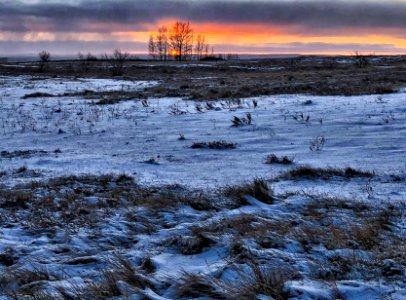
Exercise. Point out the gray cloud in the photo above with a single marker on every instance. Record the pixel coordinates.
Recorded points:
(131, 14)
(15, 48)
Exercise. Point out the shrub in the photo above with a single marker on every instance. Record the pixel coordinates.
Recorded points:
(273, 159)
(181, 136)
(317, 144)
(37, 95)
(44, 58)
(117, 61)
(301, 118)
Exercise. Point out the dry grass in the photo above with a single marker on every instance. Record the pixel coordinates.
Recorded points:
(308, 172)
(15, 199)
(273, 159)
(120, 270)
(193, 286)
(245, 78)
(217, 145)
(37, 95)
(249, 239)
(17, 280)
(243, 121)
(253, 280)
(365, 228)
(191, 244)
(258, 189)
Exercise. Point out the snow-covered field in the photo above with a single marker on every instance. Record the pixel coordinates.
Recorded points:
(367, 132)
(156, 141)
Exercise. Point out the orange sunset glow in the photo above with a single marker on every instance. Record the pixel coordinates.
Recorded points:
(258, 36)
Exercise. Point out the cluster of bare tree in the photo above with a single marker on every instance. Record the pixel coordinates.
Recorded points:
(178, 43)
(158, 46)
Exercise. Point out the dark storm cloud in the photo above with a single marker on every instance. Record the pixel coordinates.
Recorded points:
(133, 13)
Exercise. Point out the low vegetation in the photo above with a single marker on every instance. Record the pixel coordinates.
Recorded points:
(273, 159)
(218, 145)
(258, 189)
(247, 120)
(118, 236)
(244, 222)
(307, 172)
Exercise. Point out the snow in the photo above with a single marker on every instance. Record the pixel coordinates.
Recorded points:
(24, 85)
(364, 132)
(141, 138)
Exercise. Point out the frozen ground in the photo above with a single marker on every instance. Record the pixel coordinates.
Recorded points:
(331, 234)
(365, 132)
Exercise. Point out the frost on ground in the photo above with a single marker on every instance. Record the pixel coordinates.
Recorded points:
(282, 197)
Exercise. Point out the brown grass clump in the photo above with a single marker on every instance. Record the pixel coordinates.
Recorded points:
(252, 281)
(364, 228)
(15, 199)
(17, 280)
(273, 159)
(324, 173)
(366, 235)
(170, 198)
(263, 280)
(193, 286)
(247, 120)
(120, 270)
(190, 245)
(258, 189)
(37, 95)
(217, 145)
(124, 270)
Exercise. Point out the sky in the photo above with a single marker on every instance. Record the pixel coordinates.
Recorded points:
(66, 27)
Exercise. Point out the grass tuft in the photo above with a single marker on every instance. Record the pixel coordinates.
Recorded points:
(324, 173)
(258, 189)
(217, 145)
(273, 159)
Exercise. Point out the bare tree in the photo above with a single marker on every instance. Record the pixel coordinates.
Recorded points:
(162, 44)
(152, 47)
(199, 48)
(207, 49)
(181, 40)
(202, 47)
(116, 61)
(44, 58)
